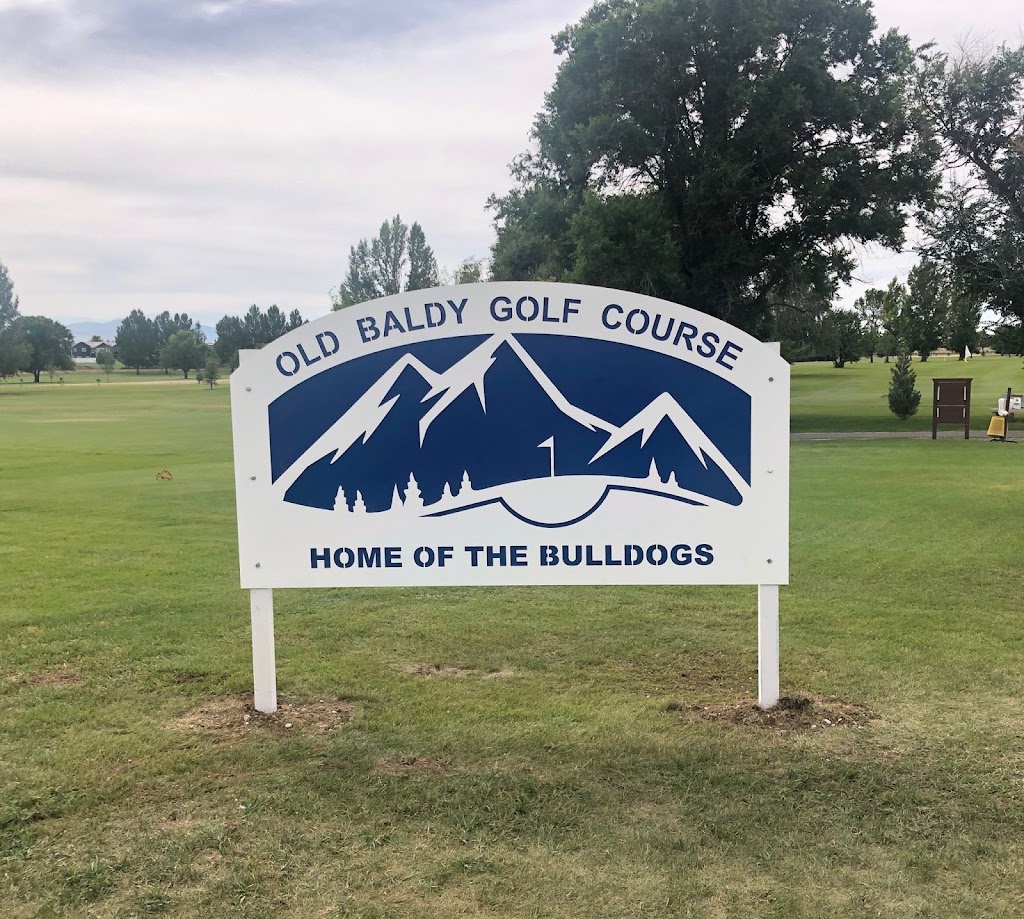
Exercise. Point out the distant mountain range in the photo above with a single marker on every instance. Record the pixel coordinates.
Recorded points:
(108, 329)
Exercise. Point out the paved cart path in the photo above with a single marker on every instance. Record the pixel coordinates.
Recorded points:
(893, 435)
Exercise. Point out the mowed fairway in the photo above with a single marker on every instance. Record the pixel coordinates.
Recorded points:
(854, 398)
(501, 752)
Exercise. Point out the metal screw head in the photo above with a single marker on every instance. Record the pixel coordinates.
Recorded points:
(252, 478)
(769, 562)
(248, 389)
(771, 379)
(770, 471)
(258, 564)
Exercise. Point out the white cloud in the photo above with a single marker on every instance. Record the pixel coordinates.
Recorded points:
(209, 189)
(191, 175)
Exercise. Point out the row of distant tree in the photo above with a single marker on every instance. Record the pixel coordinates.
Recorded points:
(925, 314)
(37, 344)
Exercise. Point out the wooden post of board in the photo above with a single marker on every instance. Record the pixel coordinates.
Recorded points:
(264, 674)
(767, 645)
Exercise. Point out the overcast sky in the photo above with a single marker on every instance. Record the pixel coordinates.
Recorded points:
(203, 155)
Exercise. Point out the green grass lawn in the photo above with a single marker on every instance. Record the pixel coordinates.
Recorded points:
(854, 398)
(509, 752)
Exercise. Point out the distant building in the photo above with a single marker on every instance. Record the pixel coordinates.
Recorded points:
(87, 350)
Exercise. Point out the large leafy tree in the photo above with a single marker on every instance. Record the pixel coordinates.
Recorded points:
(14, 352)
(396, 259)
(732, 150)
(48, 344)
(184, 351)
(842, 337)
(977, 104)
(138, 342)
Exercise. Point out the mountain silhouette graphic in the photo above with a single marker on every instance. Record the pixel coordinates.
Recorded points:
(494, 428)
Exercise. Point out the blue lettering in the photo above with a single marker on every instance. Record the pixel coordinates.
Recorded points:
(409, 323)
(668, 328)
(705, 554)
(391, 324)
(316, 557)
(607, 310)
(687, 332)
(392, 557)
(706, 348)
(474, 554)
(608, 559)
(368, 330)
(522, 314)
(321, 337)
(518, 557)
(657, 555)
(681, 555)
(458, 309)
(506, 311)
(548, 556)
(305, 357)
(369, 558)
(344, 558)
(293, 359)
(730, 351)
(632, 327)
(431, 324)
(569, 311)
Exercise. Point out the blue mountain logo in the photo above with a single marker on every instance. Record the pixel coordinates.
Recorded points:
(494, 428)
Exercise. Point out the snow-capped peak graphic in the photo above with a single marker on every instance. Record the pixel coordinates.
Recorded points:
(492, 427)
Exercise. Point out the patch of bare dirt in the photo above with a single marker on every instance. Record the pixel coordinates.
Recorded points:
(411, 765)
(792, 714)
(453, 670)
(58, 677)
(436, 670)
(235, 715)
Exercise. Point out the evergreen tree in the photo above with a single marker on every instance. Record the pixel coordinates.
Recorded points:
(211, 373)
(340, 501)
(359, 506)
(904, 396)
(395, 260)
(413, 496)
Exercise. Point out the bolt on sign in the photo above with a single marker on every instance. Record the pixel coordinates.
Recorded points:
(512, 433)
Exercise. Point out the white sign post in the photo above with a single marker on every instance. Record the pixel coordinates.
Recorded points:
(512, 433)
